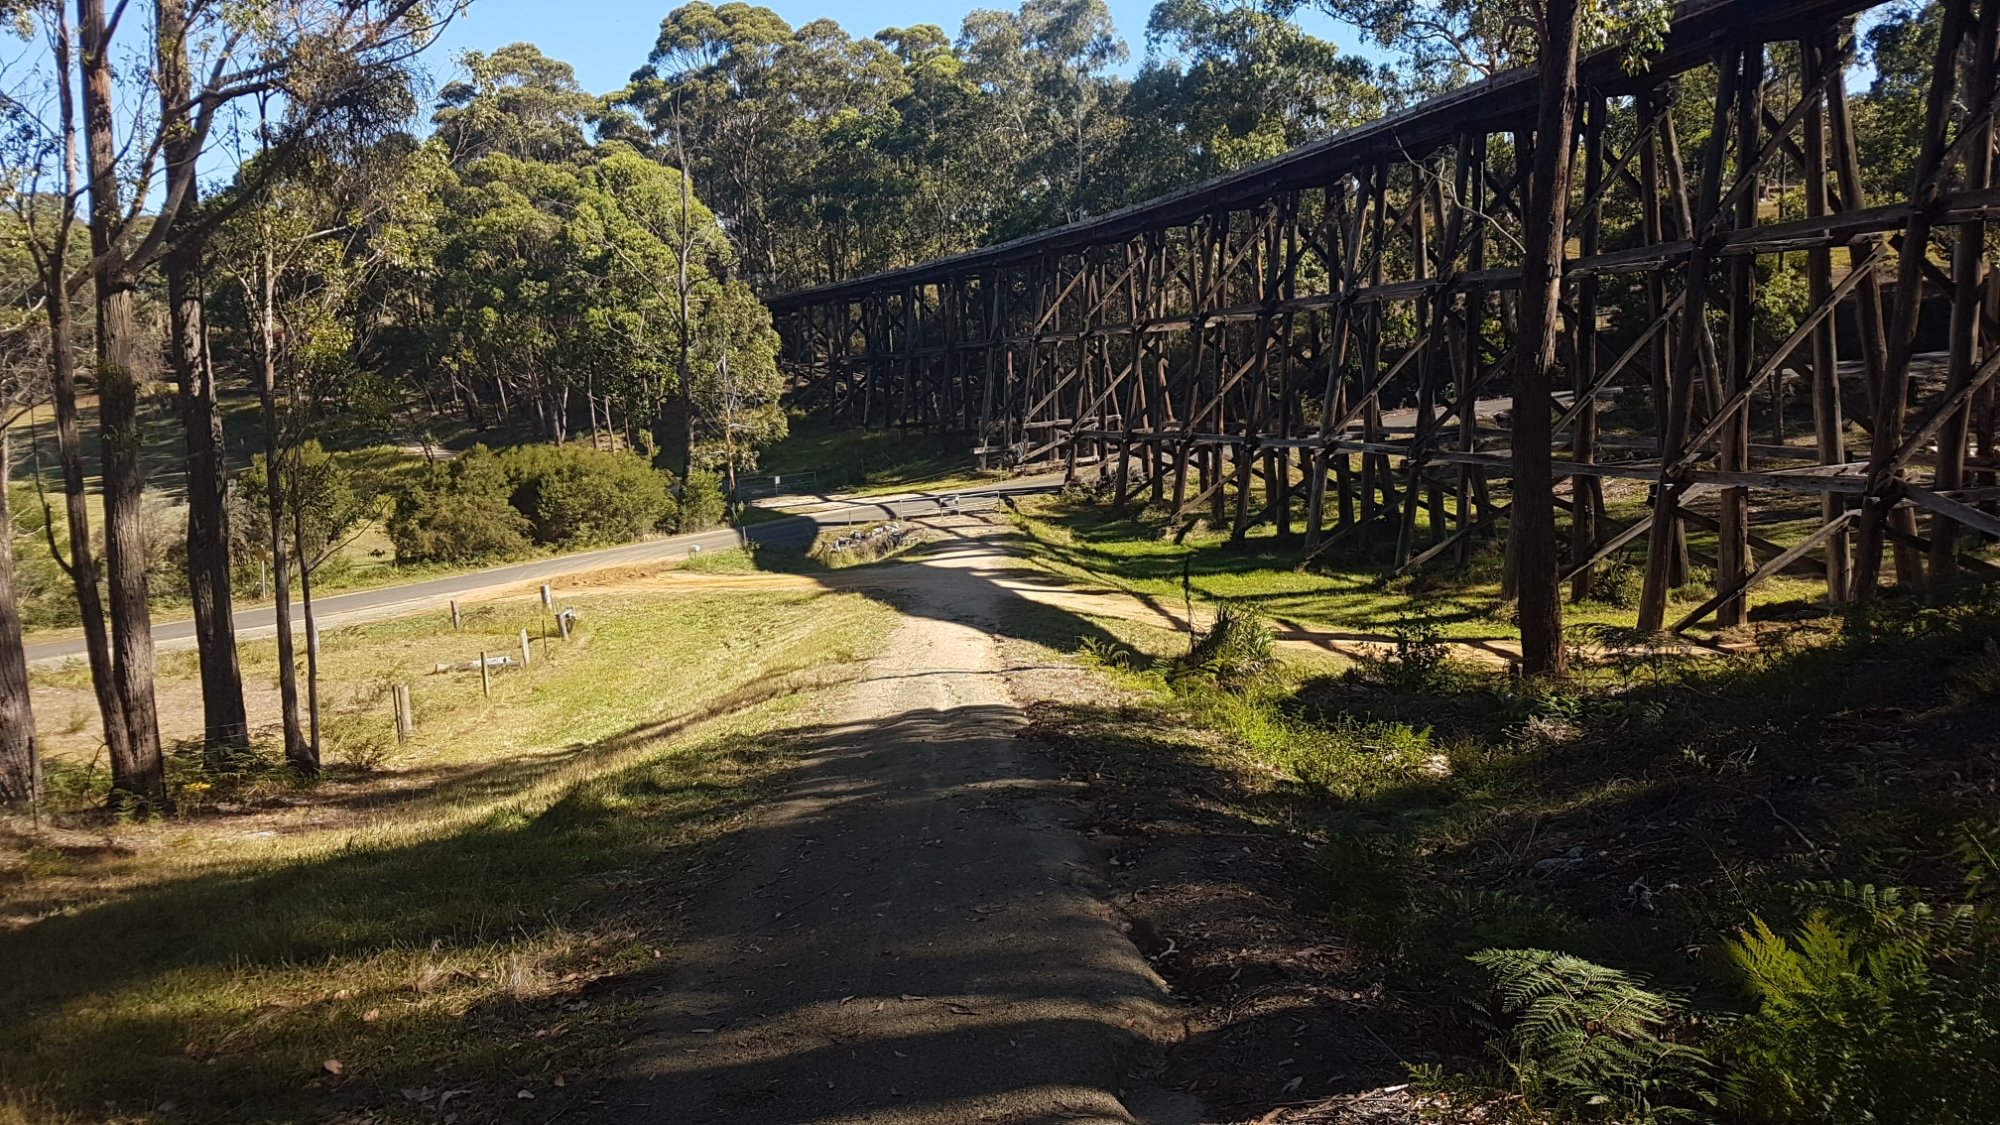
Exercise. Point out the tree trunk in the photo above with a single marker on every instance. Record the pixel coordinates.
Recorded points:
(297, 752)
(673, 436)
(306, 565)
(225, 723)
(20, 765)
(675, 428)
(136, 772)
(1534, 521)
(82, 567)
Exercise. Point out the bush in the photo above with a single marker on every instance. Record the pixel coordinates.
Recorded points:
(1235, 650)
(701, 502)
(1873, 1009)
(574, 495)
(42, 592)
(322, 492)
(1618, 584)
(458, 513)
(1593, 1039)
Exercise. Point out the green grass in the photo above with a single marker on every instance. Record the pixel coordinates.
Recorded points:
(1637, 815)
(734, 560)
(1136, 552)
(476, 910)
(844, 457)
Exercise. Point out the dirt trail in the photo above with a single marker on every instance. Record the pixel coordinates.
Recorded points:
(909, 933)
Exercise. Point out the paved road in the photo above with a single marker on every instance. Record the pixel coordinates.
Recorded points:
(795, 531)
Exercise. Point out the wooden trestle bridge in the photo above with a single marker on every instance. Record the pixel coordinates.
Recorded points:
(1323, 340)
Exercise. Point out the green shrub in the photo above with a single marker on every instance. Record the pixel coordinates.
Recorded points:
(1235, 650)
(458, 513)
(42, 592)
(25, 508)
(702, 505)
(1591, 1039)
(1872, 1009)
(1618, 584)
(1419, 660)
(574, 495)
(322, 492)
(1353, 758)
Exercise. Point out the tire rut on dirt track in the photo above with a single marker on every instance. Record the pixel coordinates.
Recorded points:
(908, 933)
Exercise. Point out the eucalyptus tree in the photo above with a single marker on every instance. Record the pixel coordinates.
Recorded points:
(20, 760)
(1533, 521)
(1071, 47)
(142, 131)
(1233, 84)
(710, 94)
(296, 260)
(1441, 44)
(514, 102)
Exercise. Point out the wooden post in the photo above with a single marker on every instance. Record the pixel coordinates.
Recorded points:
(1968, 270)
(1681, 381)
(1891, 399)
(1828, 419)
(1587, 492)
(485, 676)
(1732, 554)
(406, 717)
(527, 653)
(455, 622)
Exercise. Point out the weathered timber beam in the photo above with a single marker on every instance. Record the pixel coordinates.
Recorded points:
(1744, 585)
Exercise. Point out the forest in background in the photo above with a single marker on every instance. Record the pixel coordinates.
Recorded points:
(508, 256)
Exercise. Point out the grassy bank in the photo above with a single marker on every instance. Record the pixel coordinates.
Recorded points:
(1762, 887)
(821, 455)
(1136, 551)
(455, 925)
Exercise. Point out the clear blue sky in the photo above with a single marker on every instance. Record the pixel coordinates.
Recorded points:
(606, 40)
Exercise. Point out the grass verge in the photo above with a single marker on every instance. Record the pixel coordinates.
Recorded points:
(1754, 851)
(456, 926)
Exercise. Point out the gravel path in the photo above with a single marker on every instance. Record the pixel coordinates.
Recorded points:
(909, 933)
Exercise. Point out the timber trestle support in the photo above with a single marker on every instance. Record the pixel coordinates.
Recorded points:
(1324, 341)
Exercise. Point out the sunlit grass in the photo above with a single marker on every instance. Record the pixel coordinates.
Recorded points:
(1137, 552)
(461, 912)
(823, 455)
